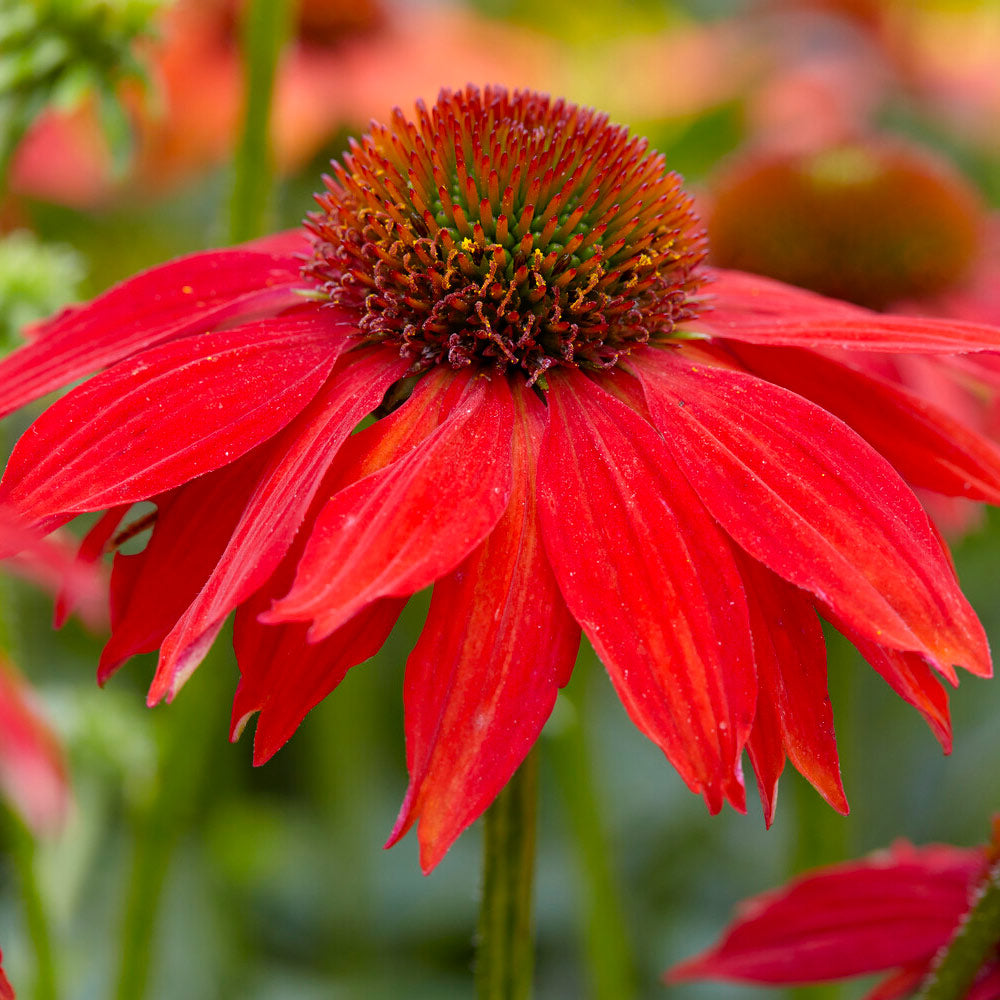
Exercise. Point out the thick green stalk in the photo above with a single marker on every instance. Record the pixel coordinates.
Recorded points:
(977, 936)
(606, 944)
(265, 29)
(505, 945)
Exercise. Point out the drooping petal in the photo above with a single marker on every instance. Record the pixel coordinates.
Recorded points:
(284, 675)
(174, 413)
(893, 908)
(403, 527)
(482, 680)
(794, 717)
(189, 295)
(33, 775)
(803, 494)
(911, 678)
(761, 311)
(151, 589)
(275, 511)
(650, 577)
(928, 447)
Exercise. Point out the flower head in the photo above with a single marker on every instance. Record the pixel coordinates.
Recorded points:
(893, 910)
(571, 431)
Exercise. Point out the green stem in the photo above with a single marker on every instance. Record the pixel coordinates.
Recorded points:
(23, 850)
(505, 946)
(607, 950)
(975, 938)
(265, 29)
(188, 729)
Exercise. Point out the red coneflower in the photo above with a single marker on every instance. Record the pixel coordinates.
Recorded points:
(562, 435)
(894, 910)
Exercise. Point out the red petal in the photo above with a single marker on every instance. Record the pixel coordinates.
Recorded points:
(651, 579)
(186, 296)
(52, 563)
(32, 766)
(928, 447)
(405, 526)
(483, 678)
(278, 504)
(803, 494)
(151, 589)
(794, 716)
(893, 908)
(169, 415)
(912, 679)
(761, 311)
(284, 675)
(6, 990)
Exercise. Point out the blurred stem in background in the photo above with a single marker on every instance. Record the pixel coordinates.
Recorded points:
(606, 946)
(265, 29)
(505, 940)
(194, 721)
(977, 935)
(821, 834)
(188, 729)
(22, 851)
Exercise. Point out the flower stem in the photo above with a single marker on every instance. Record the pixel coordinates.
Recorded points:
(505, 946)
(265, 28)
(188, 728)
(23, 852)
(976, 936)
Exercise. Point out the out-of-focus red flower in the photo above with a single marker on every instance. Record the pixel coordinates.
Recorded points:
(6, 990)
(33, 776)
(344, 64)
(893, 910)
(566, 436)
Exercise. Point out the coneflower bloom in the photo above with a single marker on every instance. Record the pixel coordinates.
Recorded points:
(508, 295)
(894, 910)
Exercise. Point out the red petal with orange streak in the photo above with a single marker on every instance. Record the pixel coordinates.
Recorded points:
(301, 456)
(185, 296)
(482, 681)
(803, 494)
(794, 717)
(757, 310)
(161, 419)
(895, 907)
(151, 589)
(928, 447)
(651, 578)
(403, 527)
